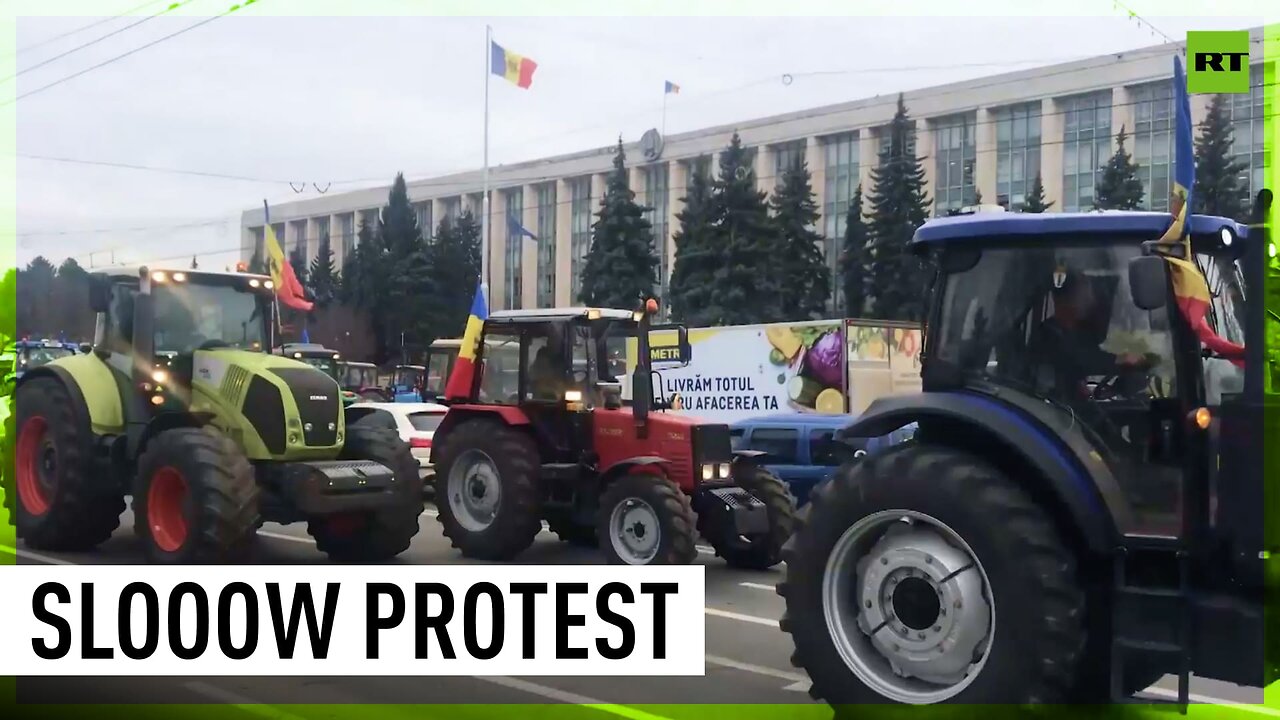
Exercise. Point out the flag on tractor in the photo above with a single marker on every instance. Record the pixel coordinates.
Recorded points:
(288, 289)
(464, 368)
(1189, 285)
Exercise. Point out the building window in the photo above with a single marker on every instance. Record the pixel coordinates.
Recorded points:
(580, 232)
(547, 245)
(699, 165)
(515, 248)
(371, 220)
(259, 243)
(422, 212)
(322, 232)
(840, 154)
(301, 243)
(452, 209)
(885, 137)
(1153, 141)
(655, 197)
(1017, 153)
(786, 157)
(956, 154)
(1086, 145)
(475, 203)
(348, 241)
(1248, 131)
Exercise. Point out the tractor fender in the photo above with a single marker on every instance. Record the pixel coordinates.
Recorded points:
(506, 414)
(1071, 470)
(172, 421)
(80, 409)
(93, 389)
(640, 463)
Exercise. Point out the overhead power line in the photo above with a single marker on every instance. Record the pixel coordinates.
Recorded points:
(90, 26)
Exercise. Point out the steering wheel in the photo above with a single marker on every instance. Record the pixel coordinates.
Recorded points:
(1130, 382)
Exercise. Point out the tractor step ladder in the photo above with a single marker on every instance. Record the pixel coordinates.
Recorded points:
(1151, 621)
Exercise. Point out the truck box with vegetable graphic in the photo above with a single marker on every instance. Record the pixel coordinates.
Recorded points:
(747, 370)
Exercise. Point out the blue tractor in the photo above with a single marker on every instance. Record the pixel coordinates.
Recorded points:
(1080, 512)
(31, 354)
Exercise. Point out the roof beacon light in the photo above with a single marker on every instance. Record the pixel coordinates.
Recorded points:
(651, 306)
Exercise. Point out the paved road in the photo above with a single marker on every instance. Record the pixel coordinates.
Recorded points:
(747, 655)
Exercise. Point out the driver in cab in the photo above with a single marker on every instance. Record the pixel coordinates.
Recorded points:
(1065, 352)
(548, 374)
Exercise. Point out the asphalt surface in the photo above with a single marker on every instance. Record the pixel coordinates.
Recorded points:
(747, 655)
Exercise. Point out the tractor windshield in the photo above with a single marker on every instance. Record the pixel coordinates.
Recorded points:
(359, 377)
(189, 317)
(36, 356)
(325, 364)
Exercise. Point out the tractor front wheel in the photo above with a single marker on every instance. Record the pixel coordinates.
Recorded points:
(195, 499)
(374, 536)
(63, 504)
(645, 519)
(487, 489)
(925, 575)
(762, 551)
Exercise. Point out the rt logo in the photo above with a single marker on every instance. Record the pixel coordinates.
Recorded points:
(1219, 61)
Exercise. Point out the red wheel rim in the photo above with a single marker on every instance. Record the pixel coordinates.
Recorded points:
(34, 464)
(166, 516)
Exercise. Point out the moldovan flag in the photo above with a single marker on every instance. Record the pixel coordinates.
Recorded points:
(517, 69)
(288, 289)
(464, 369)
(1189, 285)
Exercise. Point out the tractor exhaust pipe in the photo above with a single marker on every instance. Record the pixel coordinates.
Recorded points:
(642, 376)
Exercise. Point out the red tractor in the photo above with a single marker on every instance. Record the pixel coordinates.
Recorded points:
(554, 441)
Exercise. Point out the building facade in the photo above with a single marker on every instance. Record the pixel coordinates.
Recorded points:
(989, 137)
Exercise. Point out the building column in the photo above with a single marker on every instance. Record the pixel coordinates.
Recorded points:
(677, 188)
(764, 165)
(529, 248)
(925, 149)
(1122, 115)
(498, 249)
(564, 242)
(985, 157)
(635, 181)
(868, 159)
(816, 161)
(293, 236)
(1051, 133)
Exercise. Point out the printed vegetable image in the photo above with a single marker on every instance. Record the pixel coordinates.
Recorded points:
(830, 402)
(776, 357)
(804, 391)
(824, 360)
(784, 341)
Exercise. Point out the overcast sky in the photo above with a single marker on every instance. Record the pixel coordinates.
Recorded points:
(332, 100)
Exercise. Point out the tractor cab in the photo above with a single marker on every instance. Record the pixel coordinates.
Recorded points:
(360, 378)
(31, 354)
(441, 357)
(320, 358)
(543, 433)
(406, 383)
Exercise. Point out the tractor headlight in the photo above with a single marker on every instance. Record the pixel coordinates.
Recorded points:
(1227, 237)
(254, 283)
(179, 277)
(573, 396)
(333, 426)
(268, 285)
(158, 277)
(160, 376)
(708, 472)
(724, 470)
(307, 427)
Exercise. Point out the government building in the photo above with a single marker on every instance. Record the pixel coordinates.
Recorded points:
(990, 135)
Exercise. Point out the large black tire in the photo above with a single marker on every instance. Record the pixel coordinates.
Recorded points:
(574, 533)
(677, 525)
(374, 536)
(518, 516)
(1040, 635)
(195, 499)
(81, 509)
(758, 552)
(7, 443)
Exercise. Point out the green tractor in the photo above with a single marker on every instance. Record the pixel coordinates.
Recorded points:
(180, 407)
(321, 358)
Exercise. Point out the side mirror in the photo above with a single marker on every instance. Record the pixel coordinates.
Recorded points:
(99, 293)
(1149, 282)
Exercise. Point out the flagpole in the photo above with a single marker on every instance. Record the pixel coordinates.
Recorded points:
(484, 220)
(664, 111)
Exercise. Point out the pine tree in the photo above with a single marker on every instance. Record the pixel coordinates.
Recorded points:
(1034, 202)
(621, 267)
(70, 301)
(805, 279)
(899, 205)
(455, 271)
(325, 281)
(35, 287)
(1218, 190)
(854, 272)
(364, 285)
(696, 255)
(747, 281)
(1118, 186)
(408, 281)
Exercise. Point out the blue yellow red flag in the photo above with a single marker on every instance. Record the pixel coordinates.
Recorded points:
(671, 88)
(464, 368)
(517, 69)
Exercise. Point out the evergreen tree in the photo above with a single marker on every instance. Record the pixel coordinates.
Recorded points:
(1218, 189)
(899, 205)
(325, 281)
(696, 255)
(35, 287)
(747, 280)
(1118, 186)
(806, 281)
(455, 272)
(621, 266)
(1034, 202)
(407, 282)
(855, 276)
(70, 302)
(364, 285)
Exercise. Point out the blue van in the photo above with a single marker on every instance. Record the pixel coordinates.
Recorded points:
(804, 449)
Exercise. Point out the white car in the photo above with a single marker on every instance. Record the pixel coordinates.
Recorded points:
(416, 423)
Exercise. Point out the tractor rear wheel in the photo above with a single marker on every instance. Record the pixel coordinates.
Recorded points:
(195, 499)
(925, 575)
(487, 489)
(63, 503)
(645, 519)
(374, 536)
(763, 551)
